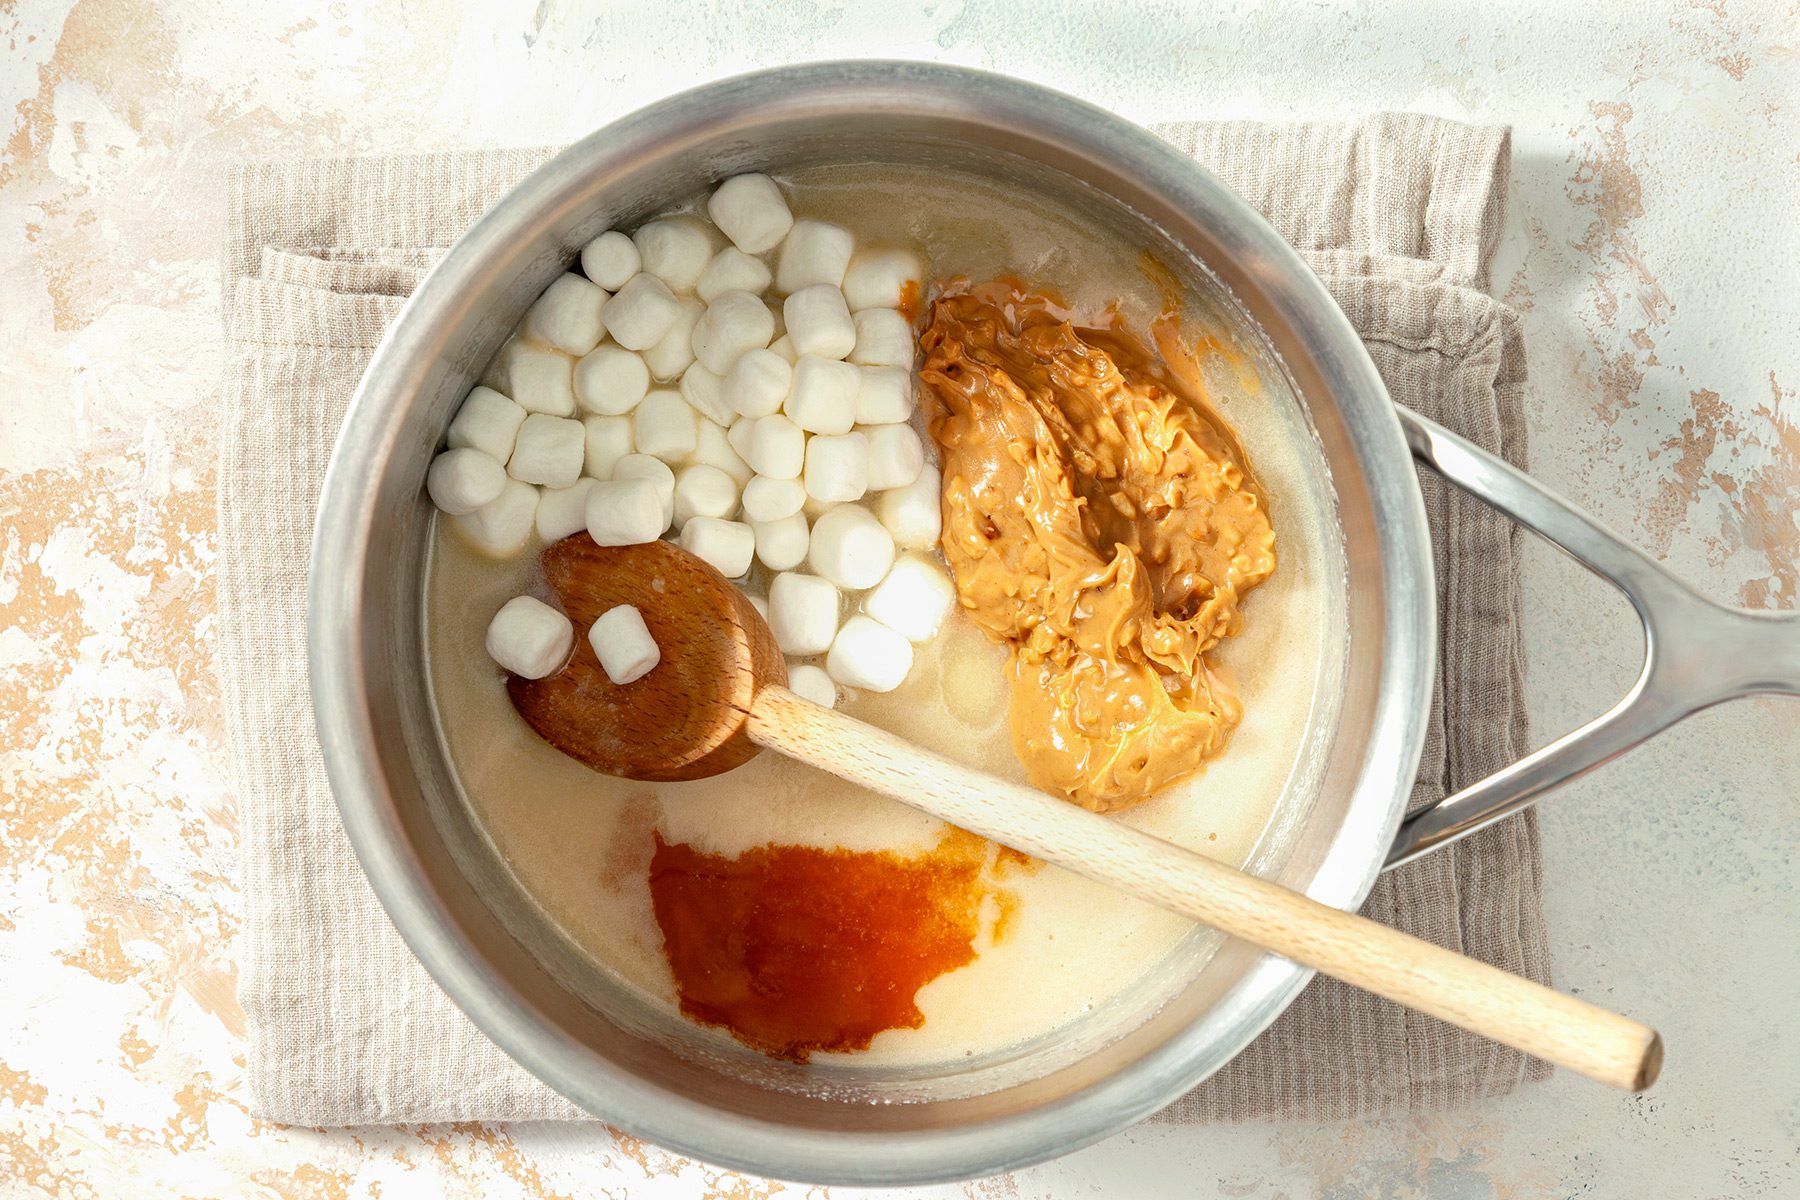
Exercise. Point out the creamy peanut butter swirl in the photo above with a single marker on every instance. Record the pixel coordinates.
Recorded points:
(1103, 523)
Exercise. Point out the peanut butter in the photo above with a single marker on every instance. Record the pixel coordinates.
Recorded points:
(1101, 521)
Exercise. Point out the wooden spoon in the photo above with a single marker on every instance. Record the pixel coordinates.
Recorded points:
(718, 696)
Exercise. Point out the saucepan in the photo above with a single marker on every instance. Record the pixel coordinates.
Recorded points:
(461, 914)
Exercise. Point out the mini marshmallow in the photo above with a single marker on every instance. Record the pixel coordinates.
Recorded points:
(567, 315)
(803, 613)
(623, 644)
(563, 511)
(727, 545)
(768, 499)
(670, 355)
(640, 312)
(813, 252)
(850, 547)
(501, 527)
(914, 598)
(784, 345)
(608, 440)
(896, 456)
(625, 512)
(912, 513)
(675, 250)
(781, 545)
(610, 259)
(757, 383)
(739, 435)
(660, 477)
(884, 338)
(713, 448)
(703, 491)
(822, 398)
(811, 683)
(884, 396)
(704, 391)
(867, 654)
(529, 638)
(462, 480)
(734, 323)
(731, 270)
(611, 380)
(663, 425)
(818, 322)
(751, 212)
(777, 447)
(837, 468)
(883, 277)
(760, 605)
(539, 380)
(550, 451)
(488, 422)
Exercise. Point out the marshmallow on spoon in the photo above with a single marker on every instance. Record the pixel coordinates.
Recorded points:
(734, 323)
(610, 259)
(624, 512)
(640, 312)
(608, 440)
(655, 472)
(781, 544)
(884, 396)
(539, 380)
(867, 654)
(703, 491)
(550, 451)
(850, 547)
(462, 480)
(837, 467)
(884, 338)
(883, 277)
(488, 422)
(713, 447)
(803, 613)
(896, 456)
(501, 527)
(567, 315)
(675, 250)
(811, 683)
(914, 598)
(529, 638)
(818, 322)
(768, 499)
(563, 511)
(757, 383)
(727, 546)
(750, 210)
(623, 644)
(813, 252)
(674, 350)
(611, 380)
(822, 397)
(777, 447)
(731, 270)
(912, 514)
(664, 425)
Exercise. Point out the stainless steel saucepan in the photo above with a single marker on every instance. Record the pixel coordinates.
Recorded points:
(587, 1036)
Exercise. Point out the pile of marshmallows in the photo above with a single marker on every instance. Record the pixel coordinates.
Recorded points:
(660, 391)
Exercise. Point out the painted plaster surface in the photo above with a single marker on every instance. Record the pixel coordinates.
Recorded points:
(1653, 246)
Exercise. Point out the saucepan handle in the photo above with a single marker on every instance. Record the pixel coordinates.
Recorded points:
(1696, 653)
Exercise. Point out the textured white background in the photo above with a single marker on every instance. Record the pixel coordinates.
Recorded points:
(1653, 247)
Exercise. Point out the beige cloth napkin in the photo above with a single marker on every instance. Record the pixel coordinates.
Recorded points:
(1399, 213)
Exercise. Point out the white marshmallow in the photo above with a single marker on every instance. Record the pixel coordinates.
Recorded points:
(811, 683)
(608, 440)
(664, 425)
(674, 350)
(610, 259)
(884, 396)
(501, 527)
(781, 545)
(818, 322)
(623, 644)
(640, 312)
(539, 380)
(675, 250)
(704, 390)
(803, 613)
(884, 338)
(550, 451)
(488, 422)
(751, 212)
(914, 598)
(837, 468)
(777, 447)
(784, 345)
(914, 513)
(611, 380)
(567, 315)
(883, 277)
(896, 456)
(757, 383)
(727, 545)
(625, 512)
(563, 511)
(462, 480)
(659, 476)
(713, 448)
(760, 605)
(867, 654)
(703, 491)
(768, 499)
(734, 323)
(739, 435)
(850, 547)
(813, 252)
(822, 398)
(529, 638)
(731, 270)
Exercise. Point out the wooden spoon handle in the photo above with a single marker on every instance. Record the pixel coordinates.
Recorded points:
(1473, 995)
